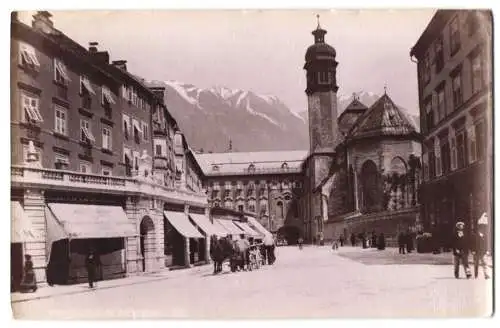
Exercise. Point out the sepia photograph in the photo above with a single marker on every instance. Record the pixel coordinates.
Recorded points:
(251, 164)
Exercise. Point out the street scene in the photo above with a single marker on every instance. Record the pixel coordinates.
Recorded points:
(314, 282)
(251, 164)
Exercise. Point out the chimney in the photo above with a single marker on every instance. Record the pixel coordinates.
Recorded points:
(159, 92)
(93, 47)
(121, 64)
(42, 22)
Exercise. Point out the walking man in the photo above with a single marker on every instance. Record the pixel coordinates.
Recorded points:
(460, 250)
(481, 246)
(353, 240)
(269, 245)
(401, 243)
(91, 262)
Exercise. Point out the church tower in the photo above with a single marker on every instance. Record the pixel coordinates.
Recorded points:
(321, 72)
(321, 91)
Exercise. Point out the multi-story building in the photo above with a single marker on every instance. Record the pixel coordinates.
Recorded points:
(454, 65)
(264, 183)
(82, 167)
(68, 104)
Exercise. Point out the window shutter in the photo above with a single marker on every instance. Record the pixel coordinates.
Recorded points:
(437, 150)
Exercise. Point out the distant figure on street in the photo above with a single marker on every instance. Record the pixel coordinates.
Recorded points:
(243, 246)
(353, 239)
(401, 243)
(342, 240)
(335, 245)
(381, 242)
(481, 244)
(269, 245)
(460, 250)
(409, 241)
(374, 239)
(29, 280)
(92, 262)
(300, 242)
(364, 240)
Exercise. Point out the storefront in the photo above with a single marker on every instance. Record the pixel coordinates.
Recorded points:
(73, 230)
(22, 233)
(184, 239)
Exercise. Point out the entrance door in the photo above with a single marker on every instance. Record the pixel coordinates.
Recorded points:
(147, 241)
(16, 266)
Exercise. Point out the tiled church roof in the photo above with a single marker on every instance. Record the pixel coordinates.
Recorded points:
(383, 118)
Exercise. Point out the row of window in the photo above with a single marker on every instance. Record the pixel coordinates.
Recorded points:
(61, 162)
(251, 167)
(435, 107)
(455, 151)
(32, 114)
(132, 95)
(435, 54)
(140, 129)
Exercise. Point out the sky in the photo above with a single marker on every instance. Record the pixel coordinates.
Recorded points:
(261, 51)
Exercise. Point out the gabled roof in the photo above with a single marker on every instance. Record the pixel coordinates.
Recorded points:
(356, 105)
(383, 118)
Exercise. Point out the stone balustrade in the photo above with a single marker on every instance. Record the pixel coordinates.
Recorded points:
(76, 181)
(256, 171)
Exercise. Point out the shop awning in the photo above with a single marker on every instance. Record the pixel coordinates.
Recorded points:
(257, 226)
(181, 223)
(246, 228)
(78, 221)
(204, 223)
(229, 226)
(22, 230)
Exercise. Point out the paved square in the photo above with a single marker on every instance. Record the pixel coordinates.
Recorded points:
(313, 283)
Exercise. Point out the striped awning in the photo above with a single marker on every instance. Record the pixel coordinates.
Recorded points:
(257, 226)
(22, 230)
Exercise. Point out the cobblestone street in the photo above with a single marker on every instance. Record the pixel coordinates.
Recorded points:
(312, 283)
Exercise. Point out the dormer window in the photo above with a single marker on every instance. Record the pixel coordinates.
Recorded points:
(215, 168)
(284, 166)
(251, 168)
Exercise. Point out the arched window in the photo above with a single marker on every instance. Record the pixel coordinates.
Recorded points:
(369, 186)
(279, 211)
(284, 166)
(396, 185)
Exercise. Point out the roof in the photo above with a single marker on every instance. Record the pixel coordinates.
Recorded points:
(263, 162)
(356, 105)
(431, 32)
(383, 118)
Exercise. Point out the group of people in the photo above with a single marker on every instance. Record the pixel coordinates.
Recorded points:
(241, 251)
(477, 244)
(373, 241)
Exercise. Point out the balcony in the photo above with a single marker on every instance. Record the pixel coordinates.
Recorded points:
(29, 177)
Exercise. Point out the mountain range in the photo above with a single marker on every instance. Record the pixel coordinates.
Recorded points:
(220, 119)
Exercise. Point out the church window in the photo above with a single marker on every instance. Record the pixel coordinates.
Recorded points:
(323, 78)
(279, 211)
(370, 186)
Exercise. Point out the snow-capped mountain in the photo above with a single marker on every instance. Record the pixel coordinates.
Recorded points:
(211, 118)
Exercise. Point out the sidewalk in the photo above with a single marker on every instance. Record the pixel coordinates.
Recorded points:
(59, 290)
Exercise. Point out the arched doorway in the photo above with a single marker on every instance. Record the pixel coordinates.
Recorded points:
(147, 241)
(396, 189)
(369, 186)
(290, 233)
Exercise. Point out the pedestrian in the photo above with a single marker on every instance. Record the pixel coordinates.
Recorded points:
(401, 243)
(335, 245)
(92, 262)
(353, 239)
(269, 244)
(342, 240)
(481, 244)
(364, 240)
(381, 242)
(374, 239)
(242, 247)
(409, 242)
(300, 242)
(460, 250)
(28, 282)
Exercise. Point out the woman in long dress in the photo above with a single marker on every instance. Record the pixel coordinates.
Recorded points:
(29, 280)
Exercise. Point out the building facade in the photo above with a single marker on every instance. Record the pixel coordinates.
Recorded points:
(454, 65)
(83, 167)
